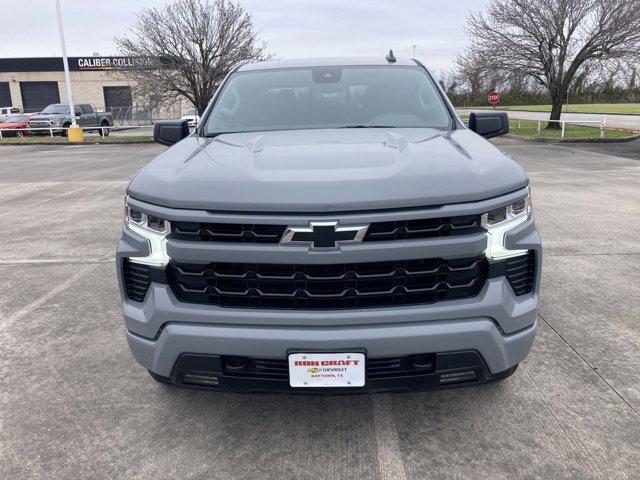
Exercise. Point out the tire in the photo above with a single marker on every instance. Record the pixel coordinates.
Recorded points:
(104, 133)
(64, 132)
(19, 133)
(160, 378)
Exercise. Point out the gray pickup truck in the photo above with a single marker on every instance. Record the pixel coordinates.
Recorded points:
(331, 226)
(56, 118)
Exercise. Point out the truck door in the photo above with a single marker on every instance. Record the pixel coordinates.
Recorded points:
(87, 116)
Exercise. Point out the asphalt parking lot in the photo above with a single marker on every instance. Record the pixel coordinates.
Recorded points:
(74, 404)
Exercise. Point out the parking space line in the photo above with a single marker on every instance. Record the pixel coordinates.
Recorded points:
(56, 261)
(38, 302)
(42, 201)
(390, 462)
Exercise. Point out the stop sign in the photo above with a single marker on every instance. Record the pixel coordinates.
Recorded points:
(494, 97)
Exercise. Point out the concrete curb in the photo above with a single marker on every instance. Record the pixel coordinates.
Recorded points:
(574, 140)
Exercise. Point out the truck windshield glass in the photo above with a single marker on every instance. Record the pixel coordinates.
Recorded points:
(328, 97)
(56, 109)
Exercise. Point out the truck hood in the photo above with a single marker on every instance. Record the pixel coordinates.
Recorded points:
(48, 117)
(327, 170)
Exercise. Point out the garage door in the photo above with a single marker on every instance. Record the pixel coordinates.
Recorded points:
(37, 95)
(117, 100)
(5, 95)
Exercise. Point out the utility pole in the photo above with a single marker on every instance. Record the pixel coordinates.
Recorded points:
(414, 50)
(65, 62)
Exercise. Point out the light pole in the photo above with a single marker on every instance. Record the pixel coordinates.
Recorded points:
(65, 62)
(414, 50)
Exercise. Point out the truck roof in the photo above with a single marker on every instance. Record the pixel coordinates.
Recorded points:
(325, 62)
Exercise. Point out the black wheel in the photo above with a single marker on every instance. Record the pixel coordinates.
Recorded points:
(64, 130)
(19, 133)
(160, 378)
(105, 131)
(498, 377)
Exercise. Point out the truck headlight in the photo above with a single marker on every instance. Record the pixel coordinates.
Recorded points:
(499, 221)
(155, 230)
(55, 121)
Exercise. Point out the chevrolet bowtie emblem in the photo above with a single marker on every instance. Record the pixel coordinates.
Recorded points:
(324, 234)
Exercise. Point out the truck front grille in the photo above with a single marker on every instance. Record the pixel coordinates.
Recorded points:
(375, 284)
(377, 232)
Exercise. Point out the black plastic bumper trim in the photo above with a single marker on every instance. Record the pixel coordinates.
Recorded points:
(448, 370)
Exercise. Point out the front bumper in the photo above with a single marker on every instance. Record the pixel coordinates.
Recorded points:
(496, 323)
(499, 352)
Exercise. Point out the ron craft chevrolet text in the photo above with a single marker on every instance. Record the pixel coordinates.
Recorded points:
(330, 226)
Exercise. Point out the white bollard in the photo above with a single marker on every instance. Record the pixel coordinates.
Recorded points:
(538, 127)
(562, 134)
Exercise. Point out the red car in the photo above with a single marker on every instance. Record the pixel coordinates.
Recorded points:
(11, 125)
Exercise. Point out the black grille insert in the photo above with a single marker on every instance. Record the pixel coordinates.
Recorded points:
(227, 232)
(376, 368)
(519, 271)
(377, 232)
(423, 228)
(374, 284)
(138, 278)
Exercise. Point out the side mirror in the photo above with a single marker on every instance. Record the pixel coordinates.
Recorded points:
(168, 132)
(489, 124)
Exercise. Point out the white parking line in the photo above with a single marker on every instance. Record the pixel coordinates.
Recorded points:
(38, 302)
(390, 462)
(42, 201)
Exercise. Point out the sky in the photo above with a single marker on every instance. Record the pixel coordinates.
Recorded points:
(291, 28)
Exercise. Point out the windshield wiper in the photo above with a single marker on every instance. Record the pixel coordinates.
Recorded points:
(367, 126)
(215, 134)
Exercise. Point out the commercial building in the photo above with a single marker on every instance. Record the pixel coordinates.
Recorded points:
(34, 83)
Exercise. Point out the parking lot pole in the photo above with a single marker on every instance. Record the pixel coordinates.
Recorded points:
(65, 62)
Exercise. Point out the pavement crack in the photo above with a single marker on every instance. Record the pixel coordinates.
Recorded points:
(589, 365)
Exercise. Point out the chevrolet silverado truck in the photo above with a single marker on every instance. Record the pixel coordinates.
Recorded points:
(330, 226)
(56, 119)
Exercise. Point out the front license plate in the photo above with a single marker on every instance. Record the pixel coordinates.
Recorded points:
(326, 370)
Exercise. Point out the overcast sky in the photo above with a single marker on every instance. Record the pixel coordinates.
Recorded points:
(292, 28)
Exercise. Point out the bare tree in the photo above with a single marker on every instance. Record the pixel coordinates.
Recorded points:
(551, 40)
(187, 47)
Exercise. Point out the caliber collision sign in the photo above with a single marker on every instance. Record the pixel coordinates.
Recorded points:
(494, 97)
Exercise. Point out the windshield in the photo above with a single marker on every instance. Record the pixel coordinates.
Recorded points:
(16, 119)
(56, 109)
(191, 113)
(328, 97)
